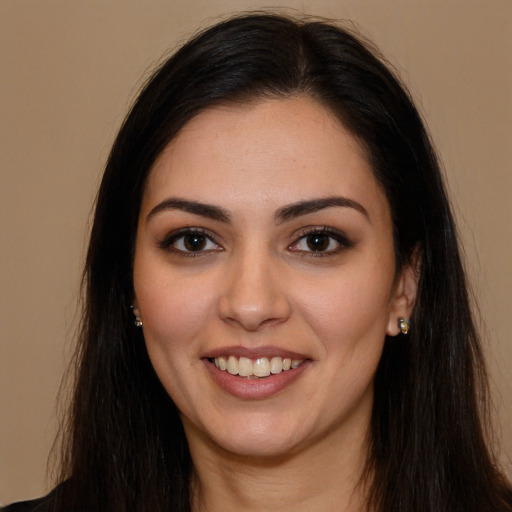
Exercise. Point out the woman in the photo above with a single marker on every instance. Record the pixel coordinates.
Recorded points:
(276, 313)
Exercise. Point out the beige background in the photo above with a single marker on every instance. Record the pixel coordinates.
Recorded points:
(68, 71)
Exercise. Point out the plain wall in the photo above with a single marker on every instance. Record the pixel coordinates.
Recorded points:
(68, 72)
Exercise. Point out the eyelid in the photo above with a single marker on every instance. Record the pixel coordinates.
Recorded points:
(166, 243)
(339, 236)
(169, 239)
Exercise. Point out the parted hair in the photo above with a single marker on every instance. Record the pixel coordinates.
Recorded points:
(124, 447)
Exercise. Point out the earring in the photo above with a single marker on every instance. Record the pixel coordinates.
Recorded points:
(403, 324)
(138, 319)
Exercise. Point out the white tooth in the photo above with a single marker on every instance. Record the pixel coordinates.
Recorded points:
(261, 367)
(296, 363)
(244, 367)
(287, 363)
(276, 365)
(223, 365)
(232, 366)
(216, 362)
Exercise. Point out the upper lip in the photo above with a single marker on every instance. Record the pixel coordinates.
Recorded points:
(253, 352)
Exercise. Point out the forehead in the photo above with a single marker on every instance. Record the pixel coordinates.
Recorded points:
(266, 152)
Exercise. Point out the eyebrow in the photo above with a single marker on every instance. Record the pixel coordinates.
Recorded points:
(204, 210)
(314, 205)
(284, 214)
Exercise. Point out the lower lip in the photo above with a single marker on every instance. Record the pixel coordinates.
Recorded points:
(255, 389)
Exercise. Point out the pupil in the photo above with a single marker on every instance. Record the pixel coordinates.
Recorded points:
(318, 242)
(195, 242)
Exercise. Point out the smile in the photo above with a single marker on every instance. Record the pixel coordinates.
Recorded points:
(255, 369)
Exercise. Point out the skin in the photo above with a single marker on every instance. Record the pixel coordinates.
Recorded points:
(257, 283)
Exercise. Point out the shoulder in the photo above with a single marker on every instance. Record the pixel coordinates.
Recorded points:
(45, 504)
(26, 506)
(39, 505)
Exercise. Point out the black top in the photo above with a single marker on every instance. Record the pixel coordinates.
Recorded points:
(38, 505)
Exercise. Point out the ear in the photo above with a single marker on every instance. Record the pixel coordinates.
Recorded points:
(404, 294)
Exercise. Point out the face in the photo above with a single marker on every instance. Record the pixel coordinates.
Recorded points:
(265, 278)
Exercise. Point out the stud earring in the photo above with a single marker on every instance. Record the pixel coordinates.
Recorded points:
(138, 319)
(403, 324)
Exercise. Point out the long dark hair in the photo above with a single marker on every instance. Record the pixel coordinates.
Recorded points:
(428, 451)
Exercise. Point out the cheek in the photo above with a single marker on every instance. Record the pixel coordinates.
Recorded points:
(175, 316)
(174, 311)
(348, 310)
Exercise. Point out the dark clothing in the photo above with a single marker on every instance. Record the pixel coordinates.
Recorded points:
(27, 506)
(37, 505)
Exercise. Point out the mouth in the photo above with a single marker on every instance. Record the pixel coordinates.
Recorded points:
(259, 368)
(255, 373)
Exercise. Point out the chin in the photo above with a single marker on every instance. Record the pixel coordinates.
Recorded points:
(257, 438)
(265, 448)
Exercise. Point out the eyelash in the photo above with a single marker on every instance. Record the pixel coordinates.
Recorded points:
(332, 234)
(172, 238)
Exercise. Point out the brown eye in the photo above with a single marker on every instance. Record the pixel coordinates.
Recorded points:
(189, 242)
(194, 242)
(321, 242)
(318, 242)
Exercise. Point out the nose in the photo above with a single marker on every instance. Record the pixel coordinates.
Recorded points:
(255, 294)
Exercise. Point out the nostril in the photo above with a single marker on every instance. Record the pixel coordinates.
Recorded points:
(254, 317)
(254, 297)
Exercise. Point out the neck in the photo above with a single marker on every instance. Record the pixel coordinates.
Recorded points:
(326, 476)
